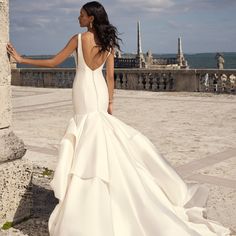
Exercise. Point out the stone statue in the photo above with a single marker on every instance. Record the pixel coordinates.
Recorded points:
(220, 61)
(118, 53)
(149, 57)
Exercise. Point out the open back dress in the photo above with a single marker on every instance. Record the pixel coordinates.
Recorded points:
(111, 180)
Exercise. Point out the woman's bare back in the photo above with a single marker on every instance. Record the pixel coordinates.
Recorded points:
(90, 49)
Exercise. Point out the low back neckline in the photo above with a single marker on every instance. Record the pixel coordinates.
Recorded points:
(82, 54)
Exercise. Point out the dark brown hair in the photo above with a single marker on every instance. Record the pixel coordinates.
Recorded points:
(105, 31)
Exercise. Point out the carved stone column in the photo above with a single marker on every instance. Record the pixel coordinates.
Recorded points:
(15, 173)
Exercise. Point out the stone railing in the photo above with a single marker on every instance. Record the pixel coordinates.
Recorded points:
(220, 81)
(43, 77)
(165, 61)
(216, 80)
(126, 63)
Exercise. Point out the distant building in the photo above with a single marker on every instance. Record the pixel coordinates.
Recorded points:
(148, 61)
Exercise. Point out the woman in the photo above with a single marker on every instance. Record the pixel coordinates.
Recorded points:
(110, 179)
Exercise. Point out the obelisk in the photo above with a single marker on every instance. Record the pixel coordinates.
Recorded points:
(139, 46)
(139, 56)
(180, 52)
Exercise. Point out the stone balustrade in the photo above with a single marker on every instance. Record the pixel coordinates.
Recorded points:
(165, 61)
(192, 80)
(223, 81)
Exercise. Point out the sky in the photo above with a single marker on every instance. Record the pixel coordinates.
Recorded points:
(45, 26)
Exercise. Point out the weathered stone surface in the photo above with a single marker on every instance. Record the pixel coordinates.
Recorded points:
(43, 205)
(4, 38)
(5, 106)
(11, 147)
(5, 70)
(4, 20)
(15, 192)
(15, 173)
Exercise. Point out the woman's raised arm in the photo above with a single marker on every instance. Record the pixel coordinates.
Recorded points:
(52, 62)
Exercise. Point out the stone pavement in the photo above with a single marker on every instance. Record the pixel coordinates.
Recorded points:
(195, 132)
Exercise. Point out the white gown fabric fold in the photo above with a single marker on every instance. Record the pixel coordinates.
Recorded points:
(112, 181)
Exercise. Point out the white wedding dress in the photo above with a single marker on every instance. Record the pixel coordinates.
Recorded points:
(112, 181)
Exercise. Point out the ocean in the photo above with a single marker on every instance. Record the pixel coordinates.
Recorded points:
(195, 61)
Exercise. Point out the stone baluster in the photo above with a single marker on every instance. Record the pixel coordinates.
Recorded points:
(154, 82)
(161, 84)
(63, 78)
(147, 81)
(170, 82)
(46, 79)
(124, 81)
(210, 83)
(140, 81)
(216, 82)
(165, 81)
(205, 82)
(158, 79)
(223, 78)
(132, 82)
(232, 79)
(118, 80)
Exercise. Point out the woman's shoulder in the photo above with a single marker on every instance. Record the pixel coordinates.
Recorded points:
(86, 35)
(74, 38)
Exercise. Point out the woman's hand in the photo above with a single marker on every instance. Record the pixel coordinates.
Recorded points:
(109, 110)
(12, 51)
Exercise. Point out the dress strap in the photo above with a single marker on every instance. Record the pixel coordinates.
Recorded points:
(108, 53)
(79, 40)
(78, 48)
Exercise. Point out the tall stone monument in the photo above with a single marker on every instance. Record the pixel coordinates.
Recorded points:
(15, 173)
(140, 56)
(180, 55)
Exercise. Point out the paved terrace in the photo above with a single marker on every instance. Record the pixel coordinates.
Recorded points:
(195, 132)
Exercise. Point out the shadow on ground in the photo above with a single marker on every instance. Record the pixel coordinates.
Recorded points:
(43, 203)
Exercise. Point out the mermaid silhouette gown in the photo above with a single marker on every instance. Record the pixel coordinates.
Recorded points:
(111, 180)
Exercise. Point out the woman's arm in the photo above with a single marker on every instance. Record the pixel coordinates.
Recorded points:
(52, 62)
(110, 78)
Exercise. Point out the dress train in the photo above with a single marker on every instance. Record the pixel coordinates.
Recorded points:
(111, 180)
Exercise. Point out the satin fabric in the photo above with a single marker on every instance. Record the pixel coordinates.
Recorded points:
(111, 180)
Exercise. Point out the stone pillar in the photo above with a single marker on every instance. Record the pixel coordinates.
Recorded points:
(139, 47)
(180, 56)
(15, 173)
(139, 56)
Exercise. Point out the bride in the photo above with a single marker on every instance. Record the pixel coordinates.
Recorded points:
(110, 179)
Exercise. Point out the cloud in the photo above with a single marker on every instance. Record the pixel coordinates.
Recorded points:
(148, 5)
(163, 19)
(188, 5)
(178, 25)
